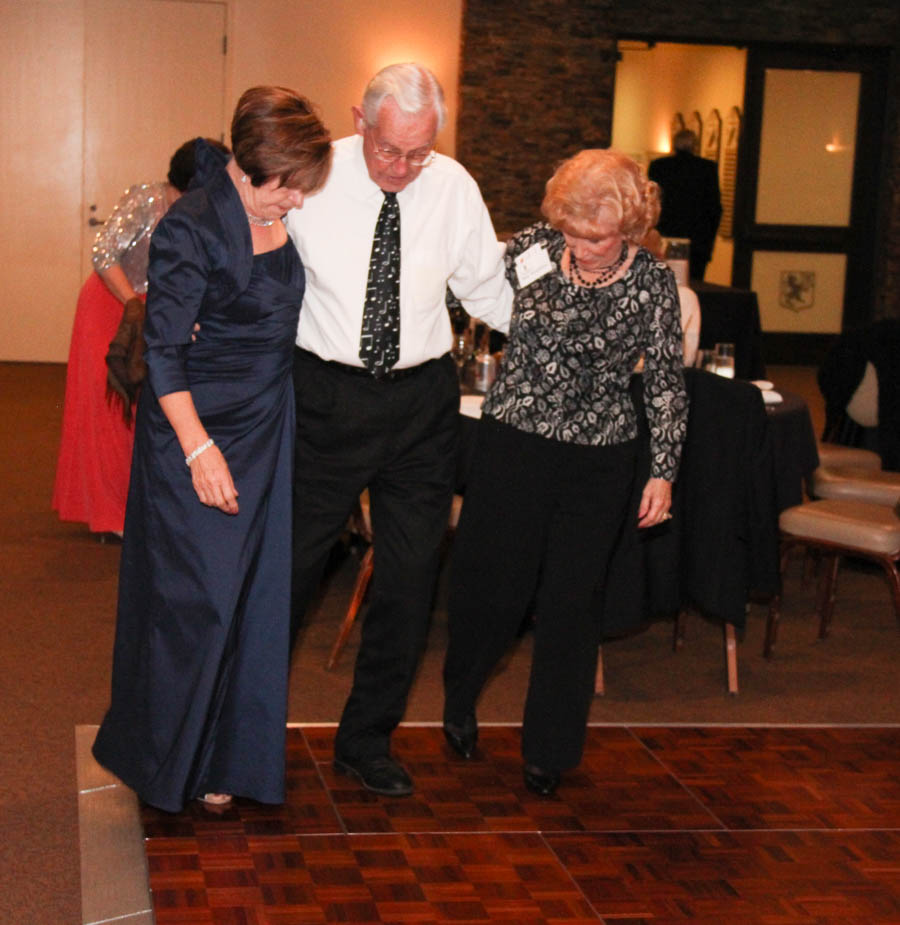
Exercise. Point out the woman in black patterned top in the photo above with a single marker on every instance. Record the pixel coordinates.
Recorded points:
(556, 453)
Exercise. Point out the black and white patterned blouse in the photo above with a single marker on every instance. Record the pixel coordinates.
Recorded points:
(572, 349)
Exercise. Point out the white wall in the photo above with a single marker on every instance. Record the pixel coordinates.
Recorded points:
(652, 85)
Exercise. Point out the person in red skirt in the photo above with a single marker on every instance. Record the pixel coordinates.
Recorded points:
(98, 428)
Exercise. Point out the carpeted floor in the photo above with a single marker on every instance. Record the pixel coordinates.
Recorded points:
(57, 598)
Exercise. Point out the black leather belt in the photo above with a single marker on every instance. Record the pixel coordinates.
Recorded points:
(393, 375)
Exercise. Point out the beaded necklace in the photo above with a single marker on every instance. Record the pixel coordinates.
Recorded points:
(604, 276)
(259, 222)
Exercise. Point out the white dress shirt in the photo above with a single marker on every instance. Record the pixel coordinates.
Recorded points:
(446, 238)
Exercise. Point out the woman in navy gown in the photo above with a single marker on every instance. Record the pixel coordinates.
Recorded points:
(199, 684)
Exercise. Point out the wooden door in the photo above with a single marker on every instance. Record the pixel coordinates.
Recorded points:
(808, 182)
(41, 62)
(154, 77)
(95, 95)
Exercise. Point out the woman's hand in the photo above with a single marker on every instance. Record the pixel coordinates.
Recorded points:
(212, 481)
(655, 503)
(117, 283)
(209, 471)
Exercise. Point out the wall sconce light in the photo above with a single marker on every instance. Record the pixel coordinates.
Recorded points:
(835, 147)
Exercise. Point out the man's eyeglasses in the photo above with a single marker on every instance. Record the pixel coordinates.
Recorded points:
(421, 158)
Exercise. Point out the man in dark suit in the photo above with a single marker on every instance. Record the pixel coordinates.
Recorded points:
(691, 204)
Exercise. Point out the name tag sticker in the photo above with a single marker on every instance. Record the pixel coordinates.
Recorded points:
(532, 264)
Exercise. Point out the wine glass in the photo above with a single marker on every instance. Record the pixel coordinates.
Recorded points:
(725, 360)
(461, 351)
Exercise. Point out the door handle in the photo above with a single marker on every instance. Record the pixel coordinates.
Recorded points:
(95, 221)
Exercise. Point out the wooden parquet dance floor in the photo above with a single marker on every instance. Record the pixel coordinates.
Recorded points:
(666, 824)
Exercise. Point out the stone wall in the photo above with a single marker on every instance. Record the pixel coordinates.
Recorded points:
(536, 84)
(537, 80)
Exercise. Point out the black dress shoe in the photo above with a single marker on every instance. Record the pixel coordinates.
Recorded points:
(380, 775)
(539, 781)
(461, 737)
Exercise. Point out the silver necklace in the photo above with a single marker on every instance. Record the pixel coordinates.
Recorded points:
(259, 222)
(604, 276)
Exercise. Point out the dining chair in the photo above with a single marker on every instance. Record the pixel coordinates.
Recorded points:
(729, 643)
(729, 637)
(837, 454)
(836, 528)
(852, 474)
(721, 543)
(361, 523)
(729, 547)
(855, 483)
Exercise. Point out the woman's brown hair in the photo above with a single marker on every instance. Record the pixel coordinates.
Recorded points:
(276, 132)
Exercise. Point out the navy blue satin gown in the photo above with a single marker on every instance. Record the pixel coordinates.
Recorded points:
(199, 690)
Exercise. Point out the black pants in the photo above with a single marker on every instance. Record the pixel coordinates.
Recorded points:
(538, 524)
(398, 438)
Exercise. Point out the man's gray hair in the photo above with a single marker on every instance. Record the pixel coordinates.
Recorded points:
(685, 140)
(412, 87)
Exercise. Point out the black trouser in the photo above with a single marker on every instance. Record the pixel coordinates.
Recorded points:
(538, 524)
(398, 438)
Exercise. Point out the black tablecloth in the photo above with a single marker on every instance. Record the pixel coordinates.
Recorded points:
(742, 465)
(722, 541)
(794, 448)
(730, 315)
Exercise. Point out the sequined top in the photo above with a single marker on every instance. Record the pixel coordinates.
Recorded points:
(125, 238)
(571, 351)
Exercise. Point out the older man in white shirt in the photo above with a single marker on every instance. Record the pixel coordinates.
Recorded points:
(376, 390)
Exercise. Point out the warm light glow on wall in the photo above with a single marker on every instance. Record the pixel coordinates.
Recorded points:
(439, 56)
(398, 54)
(329, 51)
(834, 146)
(663, 142)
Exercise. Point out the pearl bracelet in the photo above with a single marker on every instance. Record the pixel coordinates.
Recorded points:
(200, 449)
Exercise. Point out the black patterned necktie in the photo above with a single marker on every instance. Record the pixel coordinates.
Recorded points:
(379, 343)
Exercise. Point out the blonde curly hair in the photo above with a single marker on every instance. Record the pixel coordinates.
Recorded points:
(599, 184)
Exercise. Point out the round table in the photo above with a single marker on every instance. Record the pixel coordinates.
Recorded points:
(794, 448)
